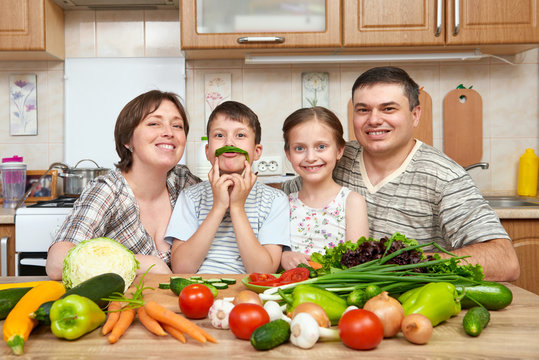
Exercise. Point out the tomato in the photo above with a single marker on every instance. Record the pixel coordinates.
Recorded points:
(246, 318)
(261, 277)
(361, 329)
(294, 275)
(195, 301)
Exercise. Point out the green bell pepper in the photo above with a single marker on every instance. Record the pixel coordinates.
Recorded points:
(332, 304)
(438, 301)
(229, 148)
(74, 316)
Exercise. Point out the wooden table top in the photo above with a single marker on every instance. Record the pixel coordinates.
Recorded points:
(512, 333)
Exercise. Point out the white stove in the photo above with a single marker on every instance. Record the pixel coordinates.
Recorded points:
(35, 228)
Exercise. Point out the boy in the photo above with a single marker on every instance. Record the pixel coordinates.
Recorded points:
(230, 223)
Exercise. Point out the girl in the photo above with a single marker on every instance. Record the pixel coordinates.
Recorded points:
(322, 213)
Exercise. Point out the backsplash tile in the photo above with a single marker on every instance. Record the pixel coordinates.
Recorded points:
(509, 92)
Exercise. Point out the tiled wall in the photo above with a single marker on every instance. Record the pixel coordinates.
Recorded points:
(509, 92)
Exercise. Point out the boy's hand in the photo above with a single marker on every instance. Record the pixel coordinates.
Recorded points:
(220, 187)
(242, 186)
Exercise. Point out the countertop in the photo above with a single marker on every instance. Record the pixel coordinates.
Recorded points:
(7, 216)
(511, 333)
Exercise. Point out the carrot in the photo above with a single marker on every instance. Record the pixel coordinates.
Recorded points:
(314, 265)
(121, 326)
(114, 315)
(150, 323)
(175, 333)
(207, 335)
(165, 316)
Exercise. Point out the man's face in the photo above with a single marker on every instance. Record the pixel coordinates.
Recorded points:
(383, 122)
(225, 131)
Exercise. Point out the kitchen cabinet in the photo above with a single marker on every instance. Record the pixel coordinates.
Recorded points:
(31, 30)
(494, 26)
(258, 24)
(7, 234)
(439, 22)
(525, 236)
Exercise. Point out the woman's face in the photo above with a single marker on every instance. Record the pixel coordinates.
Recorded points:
(159, 139)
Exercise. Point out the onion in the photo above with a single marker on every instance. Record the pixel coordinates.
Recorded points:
(315, 310)
(389, 310)
(417, 328)
(247, 296)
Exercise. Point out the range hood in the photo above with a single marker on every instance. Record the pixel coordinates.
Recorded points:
(117, 4)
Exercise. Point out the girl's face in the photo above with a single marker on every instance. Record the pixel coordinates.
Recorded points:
(313, 150)
(159, 139)
(223, 132)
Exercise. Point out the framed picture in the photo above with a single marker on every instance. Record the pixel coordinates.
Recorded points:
(46, 189)
(23, 104)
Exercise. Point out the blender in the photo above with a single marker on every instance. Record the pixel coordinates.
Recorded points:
(13, 180)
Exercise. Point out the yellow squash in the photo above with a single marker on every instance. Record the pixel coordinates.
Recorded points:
(18, 324)
(20, 285)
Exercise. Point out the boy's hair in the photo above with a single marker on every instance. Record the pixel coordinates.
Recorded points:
(236, 111)
(317, 113)
(133, 113)
(389, 75)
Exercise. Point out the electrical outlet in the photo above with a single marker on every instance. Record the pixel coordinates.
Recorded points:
(268, 165)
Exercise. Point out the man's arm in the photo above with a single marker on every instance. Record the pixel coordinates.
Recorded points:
(497, 257)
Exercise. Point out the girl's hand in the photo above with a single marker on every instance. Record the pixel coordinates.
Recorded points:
(220, 187)
(291, 259)
(242, 186)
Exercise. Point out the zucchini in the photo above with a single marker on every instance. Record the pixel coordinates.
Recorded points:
(228, 281)
(490, 294)
(95, 289)
(270, 335)
(9, 298)
(475, 320)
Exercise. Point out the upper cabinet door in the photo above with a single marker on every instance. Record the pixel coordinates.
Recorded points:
(492, 22)
(393, 23)
(31, 30)
(244, 24)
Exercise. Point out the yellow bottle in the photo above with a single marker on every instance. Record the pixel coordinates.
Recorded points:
(528, 169)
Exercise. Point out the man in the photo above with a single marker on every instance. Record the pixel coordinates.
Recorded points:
(413, 188)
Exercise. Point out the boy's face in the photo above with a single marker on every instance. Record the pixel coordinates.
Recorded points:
(223, 132)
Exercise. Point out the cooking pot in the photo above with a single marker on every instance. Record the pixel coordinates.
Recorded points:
(75, 178)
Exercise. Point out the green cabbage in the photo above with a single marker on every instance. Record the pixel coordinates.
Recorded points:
(98, 256)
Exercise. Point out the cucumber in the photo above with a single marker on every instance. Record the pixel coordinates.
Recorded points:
(165, 286)
(475, 320)
(228, 281)
(95, 289)
(270, 335)
(195, 278)
(214, 280)
(213, 289)
(490, 294)
(220, 285)
(9, 298)
(177, 284)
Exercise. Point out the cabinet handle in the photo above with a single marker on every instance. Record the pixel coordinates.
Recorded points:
(265, 39)
(438, 19)
(457, 18)
(3, 256)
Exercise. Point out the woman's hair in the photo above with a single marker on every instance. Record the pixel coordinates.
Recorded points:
(389, 75)
(237, 111)
(133, 113)
(317, 113)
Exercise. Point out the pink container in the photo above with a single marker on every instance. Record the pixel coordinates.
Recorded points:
(13, 180)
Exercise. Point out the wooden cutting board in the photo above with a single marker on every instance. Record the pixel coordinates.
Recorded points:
(422, 132)
(463, 126)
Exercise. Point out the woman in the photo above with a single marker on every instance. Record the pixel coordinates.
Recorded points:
(133, 203)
